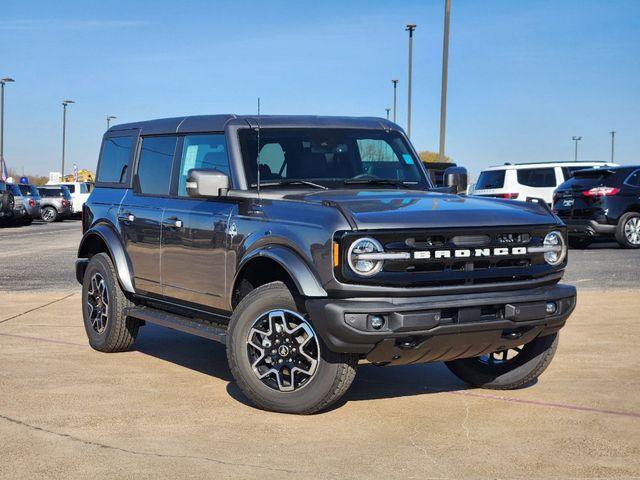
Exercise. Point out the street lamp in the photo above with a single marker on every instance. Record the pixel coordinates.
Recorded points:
(64, 131)
(410, 28)
(445, 67)
(387, 110)
(395, 99)
(109, 118)
(2, 82)
(613, 141)
(576, 139)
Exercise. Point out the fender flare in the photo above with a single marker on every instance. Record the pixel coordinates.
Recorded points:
(303, 277)
(116, 251)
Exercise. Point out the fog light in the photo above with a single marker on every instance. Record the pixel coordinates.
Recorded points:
(551, 308)
(376, 322)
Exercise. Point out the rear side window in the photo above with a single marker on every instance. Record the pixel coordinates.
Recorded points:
(15, 189)
(490, 179)
(154, 166)
(537, 177)
(114, 160)
(71, 188)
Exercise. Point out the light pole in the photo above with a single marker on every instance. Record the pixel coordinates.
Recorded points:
(2, 82)
(64, 131)
(613, 141)
(395, 99)
(576, 139)
(387, 110)
(109, 118)
(445, 67)
(410, 28)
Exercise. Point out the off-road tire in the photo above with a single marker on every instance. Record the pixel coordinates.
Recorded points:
(621, 238)
(334, 374)
(526, 367)
(580, 242)
(120, 331)
(8, 202)
(51, 215)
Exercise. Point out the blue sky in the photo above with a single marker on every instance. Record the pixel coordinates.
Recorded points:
(524, 75)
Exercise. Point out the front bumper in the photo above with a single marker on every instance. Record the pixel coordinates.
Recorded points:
(588, 228)
(440, 328)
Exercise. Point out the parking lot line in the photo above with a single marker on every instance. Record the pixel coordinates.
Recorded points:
(37, 308)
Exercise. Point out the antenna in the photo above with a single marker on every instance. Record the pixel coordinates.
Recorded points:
(258, 153)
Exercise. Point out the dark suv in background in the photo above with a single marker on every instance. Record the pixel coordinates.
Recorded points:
(601, 202)
(308, 244)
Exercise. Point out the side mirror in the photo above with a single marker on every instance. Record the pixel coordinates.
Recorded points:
(206, 183)
(456, 177)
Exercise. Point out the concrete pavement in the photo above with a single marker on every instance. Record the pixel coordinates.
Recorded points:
(169, 409)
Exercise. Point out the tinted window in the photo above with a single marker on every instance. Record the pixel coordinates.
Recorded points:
(54, 192)
(202, 151)
(85, 188)
(15, 189)
(114, 161)
(154, 166)
(634, 179)
(329, 156)
(71, 188)
(490, 179)
(537, 177)
(568, 172)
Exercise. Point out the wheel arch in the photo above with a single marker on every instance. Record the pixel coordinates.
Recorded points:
(103, 238)
(274, 263)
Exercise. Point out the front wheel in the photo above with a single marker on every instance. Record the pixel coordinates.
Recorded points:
(628, 230)
(507, 369)
(278, 360)
(49, 214)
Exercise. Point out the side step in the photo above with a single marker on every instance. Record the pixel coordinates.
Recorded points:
(193, 326)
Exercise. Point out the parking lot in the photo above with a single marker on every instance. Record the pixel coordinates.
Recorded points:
(169, 408)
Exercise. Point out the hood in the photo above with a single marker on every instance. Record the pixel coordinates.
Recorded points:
(381, 209)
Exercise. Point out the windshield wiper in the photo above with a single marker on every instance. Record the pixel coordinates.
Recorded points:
(375, 181)
(279, 183)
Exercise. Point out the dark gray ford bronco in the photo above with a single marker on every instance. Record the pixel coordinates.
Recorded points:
(310, 244)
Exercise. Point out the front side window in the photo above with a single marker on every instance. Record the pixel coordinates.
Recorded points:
(202, 151)
(114, 160)
(634, 179)
(537, 177)
(154, 166)
(490, 179)
(330, 157)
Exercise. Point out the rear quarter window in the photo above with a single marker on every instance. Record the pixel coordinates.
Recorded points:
(490, 179)
(537, 177)
(114, 165)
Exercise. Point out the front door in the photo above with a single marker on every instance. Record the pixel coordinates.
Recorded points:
(195, 231)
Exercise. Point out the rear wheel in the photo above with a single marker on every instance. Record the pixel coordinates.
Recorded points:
(278, 360)
(49, 214)
(580, 242)
(628, 230)
(103, 308)
(507, 369)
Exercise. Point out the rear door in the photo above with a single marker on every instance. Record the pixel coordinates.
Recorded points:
(140, 212)
(194, 230)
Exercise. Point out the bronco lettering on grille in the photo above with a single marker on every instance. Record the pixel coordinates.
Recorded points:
(469, 253)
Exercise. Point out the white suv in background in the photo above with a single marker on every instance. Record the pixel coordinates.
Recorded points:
(528, 180)
(79, 192)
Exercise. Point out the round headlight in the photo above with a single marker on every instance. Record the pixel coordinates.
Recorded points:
(362, 266)
(558, 254)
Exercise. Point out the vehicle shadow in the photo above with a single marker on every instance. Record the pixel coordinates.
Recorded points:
(371, 383)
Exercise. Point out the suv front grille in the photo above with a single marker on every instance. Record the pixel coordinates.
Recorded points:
(472, 270)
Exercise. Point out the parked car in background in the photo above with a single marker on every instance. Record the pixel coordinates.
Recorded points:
(603, 202)
(528, 180)
(23, 208)
(31, 197)
(79, 193)
(6, 204)
(55, 202)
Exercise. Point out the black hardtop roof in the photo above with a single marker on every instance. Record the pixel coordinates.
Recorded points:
(217, 123)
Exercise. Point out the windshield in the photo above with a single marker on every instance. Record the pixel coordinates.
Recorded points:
(490, 179)
(330, 158)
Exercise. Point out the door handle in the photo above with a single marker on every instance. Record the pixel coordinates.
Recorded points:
(127, 217)
(173, 222)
